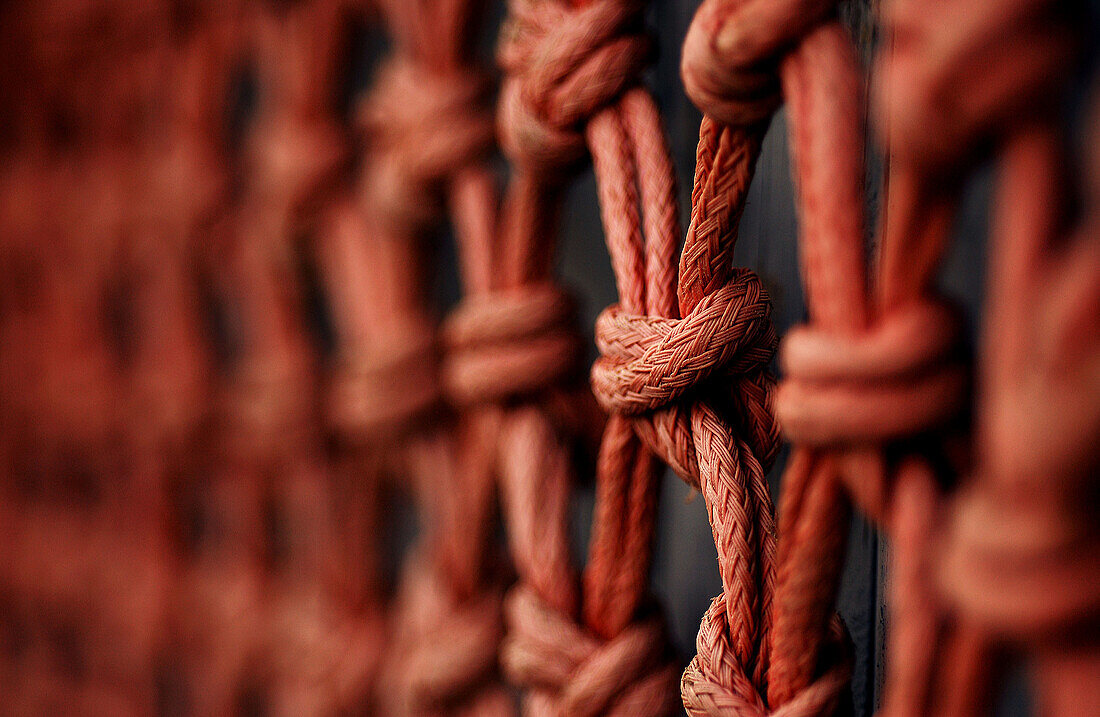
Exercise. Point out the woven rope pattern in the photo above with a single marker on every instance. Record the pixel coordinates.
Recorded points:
(195, 497)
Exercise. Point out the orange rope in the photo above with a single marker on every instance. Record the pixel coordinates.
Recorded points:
(572, 86)
(429, 133)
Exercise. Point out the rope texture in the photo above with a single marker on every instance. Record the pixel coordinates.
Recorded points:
(993, 534)
(570, 88)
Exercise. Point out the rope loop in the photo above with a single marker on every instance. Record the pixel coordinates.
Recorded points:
(650, 367)
(732, 52)
(510, 343)
(569, 671)
(562, 65)
(424, 127)
(648, 362)
(714, 683)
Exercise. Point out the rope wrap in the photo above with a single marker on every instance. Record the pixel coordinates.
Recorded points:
(569, 671)
(510, 343)
(562, 65)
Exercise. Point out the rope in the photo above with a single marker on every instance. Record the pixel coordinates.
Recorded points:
(571, 87)
(857, 375)
(89, 602)
(741, 665)
(288, 639)
(867, 370)
(268, 594)
(429, 133)
(1027, 485)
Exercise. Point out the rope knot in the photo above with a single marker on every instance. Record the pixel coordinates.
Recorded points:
(561, 66)
(380, 390)
(903, 377)
(445, 651)
(715, 683)
(649, 362)
(510, 343)
(569, 671)
(1022, 564)
(732, 52)
(957, 75)
(649, 366)
(423, 126)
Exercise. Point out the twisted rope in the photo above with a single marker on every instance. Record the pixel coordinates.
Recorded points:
(865, 372)
(860, 374)
(88, 601)
(744, 661)
(571, 86)
(288, 638)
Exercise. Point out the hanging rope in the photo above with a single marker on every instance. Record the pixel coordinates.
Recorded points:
(841, 388)
(847, 389)
(572, 76)
(179, 191)
(90, 628)
(1020, 533)
(1029, 492)
(288, 636)
(182, 538)
(428, 136)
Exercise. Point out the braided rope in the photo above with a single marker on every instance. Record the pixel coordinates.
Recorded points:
(286, 636)
(571, 87)
(875, 391)
(865, 375)
(826, 400)
(80, 591)
(832, 394)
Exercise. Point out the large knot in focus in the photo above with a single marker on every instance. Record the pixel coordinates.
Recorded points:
(569, 671)
(380, 390)
(444, 653)
(649, 364)
(562, 64)
(510, 343)
(954, 75)
(422, 126)
(732, 52)
(716, 684)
